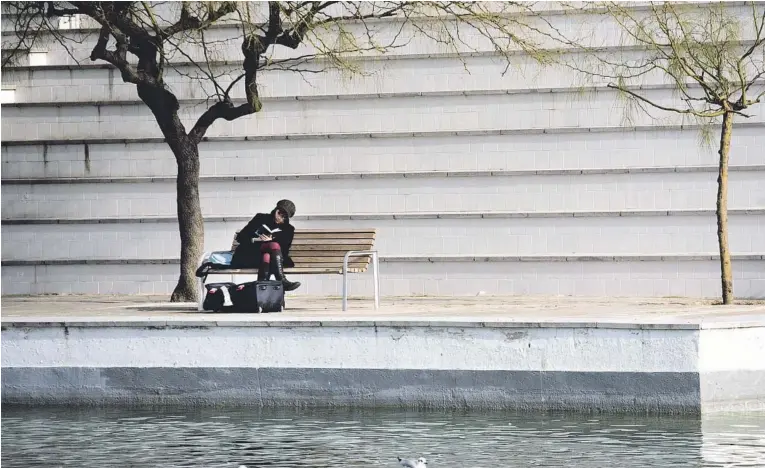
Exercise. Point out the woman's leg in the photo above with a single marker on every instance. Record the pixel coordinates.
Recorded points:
(273, 264)
(268, 249)
(277, 269)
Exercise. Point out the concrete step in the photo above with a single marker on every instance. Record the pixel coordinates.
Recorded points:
(620, 235)
(224, 43)
(403, 114)
(405, 40)
(599, 192)
(625, 278)
(603, 150)
(427, 74)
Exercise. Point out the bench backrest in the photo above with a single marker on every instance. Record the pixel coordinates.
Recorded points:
(322, 250)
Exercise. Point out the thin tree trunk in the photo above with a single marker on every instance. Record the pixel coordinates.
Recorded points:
(726, 268)
(164, 105)
(190, 221)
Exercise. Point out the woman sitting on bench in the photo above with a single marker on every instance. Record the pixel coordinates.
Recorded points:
(265, 244)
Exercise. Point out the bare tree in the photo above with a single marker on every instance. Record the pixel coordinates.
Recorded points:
(144, 39)
(712, 55)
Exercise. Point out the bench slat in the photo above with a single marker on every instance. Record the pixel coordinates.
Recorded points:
(303, 241)
(308, 271)
(322, 249)
(324, 231)
(335, 235)
(335, 265)
(337, 261)
(332, 263)
(320, 271)
(325, 258)
(301, 253)
(327, 248)
(336, 232)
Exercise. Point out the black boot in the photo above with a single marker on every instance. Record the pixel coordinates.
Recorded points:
(277, 262)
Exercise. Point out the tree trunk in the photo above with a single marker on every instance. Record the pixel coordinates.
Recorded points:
(164, 105)
(726, 268)
(190, 221)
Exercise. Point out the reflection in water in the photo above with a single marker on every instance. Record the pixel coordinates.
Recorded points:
(365, 438)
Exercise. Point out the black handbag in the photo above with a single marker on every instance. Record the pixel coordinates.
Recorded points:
(218, 297)
(259, 297)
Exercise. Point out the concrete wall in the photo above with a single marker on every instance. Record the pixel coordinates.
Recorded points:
(441, 276)
(653, 148)
(533, 111)
(731, 368)
(622, 368)
(476, 181)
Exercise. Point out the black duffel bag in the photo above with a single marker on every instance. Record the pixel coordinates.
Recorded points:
(219, 297)
(259, 297)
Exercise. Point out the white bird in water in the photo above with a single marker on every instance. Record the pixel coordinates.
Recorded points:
(419, 463)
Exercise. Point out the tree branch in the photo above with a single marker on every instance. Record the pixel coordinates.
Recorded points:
(759, 38)
(231, 85)
(665, 108)
(118, 57)
(252, 48)
(220, 110)
(758, 99)
(53, 11)
(187, 22)
(293, 37)
(275, 26)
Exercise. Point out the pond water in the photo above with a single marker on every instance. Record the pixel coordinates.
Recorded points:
(231, 437)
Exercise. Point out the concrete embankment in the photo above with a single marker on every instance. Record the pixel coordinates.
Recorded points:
(662, 364)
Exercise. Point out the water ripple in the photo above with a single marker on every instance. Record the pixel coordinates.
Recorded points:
(54, 437)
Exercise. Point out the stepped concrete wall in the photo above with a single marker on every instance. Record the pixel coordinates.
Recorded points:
(477, 181)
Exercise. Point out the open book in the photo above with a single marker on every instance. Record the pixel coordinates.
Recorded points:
(267, 231)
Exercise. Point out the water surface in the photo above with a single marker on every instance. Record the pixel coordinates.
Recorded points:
(229, 437)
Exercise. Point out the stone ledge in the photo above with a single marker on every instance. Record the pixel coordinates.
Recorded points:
(385, 175)
(563, 258)
(239, 63)
(499, 311)
(361, 135)
(422, 259)
(349, 96)
(397, 216)
(211, 320)
(364, 58)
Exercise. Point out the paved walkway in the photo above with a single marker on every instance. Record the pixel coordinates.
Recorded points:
(476, 310)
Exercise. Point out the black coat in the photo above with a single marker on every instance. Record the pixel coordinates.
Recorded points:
(248, 255)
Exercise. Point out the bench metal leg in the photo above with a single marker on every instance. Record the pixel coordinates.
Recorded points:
(375, 274)
(376, 278)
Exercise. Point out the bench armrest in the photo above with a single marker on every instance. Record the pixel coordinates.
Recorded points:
(375, 274)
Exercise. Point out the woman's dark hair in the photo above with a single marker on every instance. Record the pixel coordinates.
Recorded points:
(285, 215)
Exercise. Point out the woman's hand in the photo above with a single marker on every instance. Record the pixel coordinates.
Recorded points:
(266, 238)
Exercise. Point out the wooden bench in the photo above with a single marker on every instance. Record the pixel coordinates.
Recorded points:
(324, 252)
